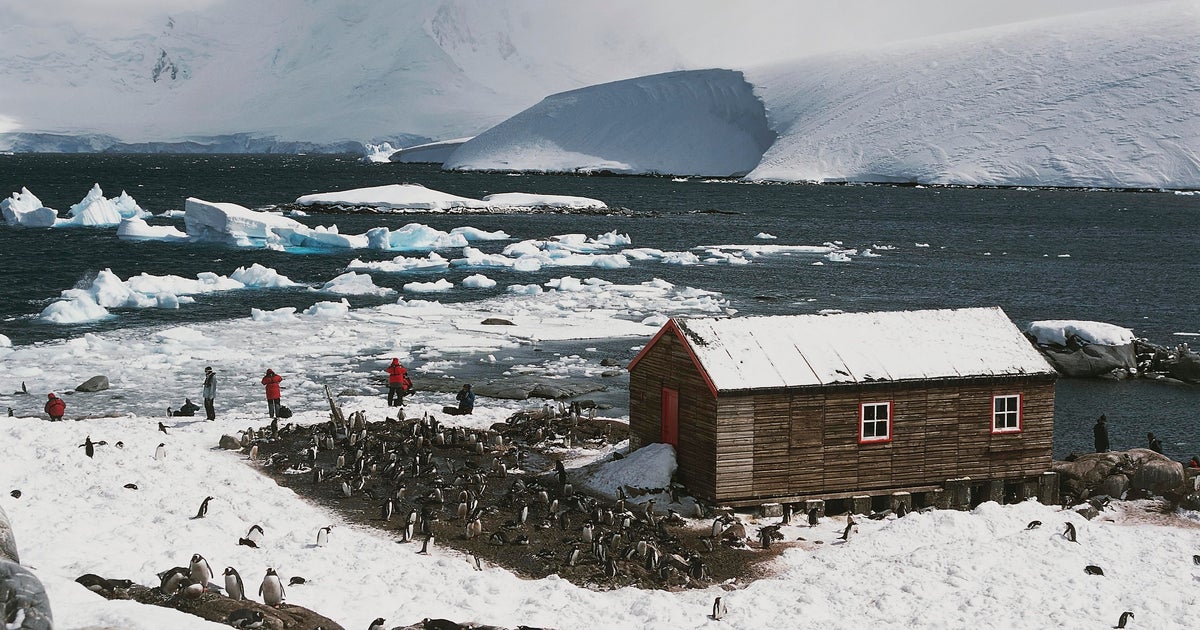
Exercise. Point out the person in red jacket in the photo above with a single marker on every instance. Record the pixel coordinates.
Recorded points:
(55, 407)
(398, 383)
(271, 381)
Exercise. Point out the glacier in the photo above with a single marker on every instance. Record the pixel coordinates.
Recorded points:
(1104, 99)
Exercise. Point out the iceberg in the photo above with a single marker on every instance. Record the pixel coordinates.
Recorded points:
(25, 209)
(94, 211)
(237, 225)
(136, 229)
(393, 197)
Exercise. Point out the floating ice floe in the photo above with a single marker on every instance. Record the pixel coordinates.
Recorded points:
(108, 291)
(379, 153)
(136, 229)
(441, 285)
(415, 197)
(95, 210)
(351, 283)
(25, 209)
(478, 281)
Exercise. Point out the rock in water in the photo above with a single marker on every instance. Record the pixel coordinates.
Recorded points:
(94, 384)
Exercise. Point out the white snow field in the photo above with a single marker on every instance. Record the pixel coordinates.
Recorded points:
(941, 569)
(1105, 99)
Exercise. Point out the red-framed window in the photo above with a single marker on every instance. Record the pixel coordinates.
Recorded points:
(875, 422)
(1006, 413)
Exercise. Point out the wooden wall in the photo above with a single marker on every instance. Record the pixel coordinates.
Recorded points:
(668, 364)
(805, 441)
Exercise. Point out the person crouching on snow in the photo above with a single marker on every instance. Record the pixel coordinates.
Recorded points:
(466, 400)
(398, 383)
(55, 407)
(271, 381)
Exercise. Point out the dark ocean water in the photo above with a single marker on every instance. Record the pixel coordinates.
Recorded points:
(1125, 258)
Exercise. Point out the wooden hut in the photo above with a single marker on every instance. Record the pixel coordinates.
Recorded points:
(786, 408)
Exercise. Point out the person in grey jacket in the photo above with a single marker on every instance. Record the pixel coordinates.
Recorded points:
(210, 392)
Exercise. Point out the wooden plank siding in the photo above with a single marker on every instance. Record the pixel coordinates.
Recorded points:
(668, 364)
(805, 441)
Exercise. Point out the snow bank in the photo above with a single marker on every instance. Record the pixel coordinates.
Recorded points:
(648, 467)
(5, 342)
(702, 122)
(25, 209)
(1058, 331)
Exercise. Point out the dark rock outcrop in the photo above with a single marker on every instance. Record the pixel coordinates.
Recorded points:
(22, 595)
(217, 608)
(94, 384)
(1117, 473)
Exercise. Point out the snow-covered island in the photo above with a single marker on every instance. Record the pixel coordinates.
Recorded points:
(415, 198)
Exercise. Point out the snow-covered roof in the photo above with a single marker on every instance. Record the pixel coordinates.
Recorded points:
(804, 350)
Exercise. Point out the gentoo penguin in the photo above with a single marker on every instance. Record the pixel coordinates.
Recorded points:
(130, 486)
(171, 579)
(160, 452)
(252, 537)
(88, 446)
(199, 571)
(1125, 617)
(16, 494)
(162, 427)
(1092, 569)
(323, 535)
(849, 527)
(245, 618)
(271, 589)
(203, 511)
(718, 609)
(233, 584)
(1069, 533)
(425, 546)
(377, 624)
(1033, 525)
(814, 517)
(254, 453)
(901, 510)
(296, 579)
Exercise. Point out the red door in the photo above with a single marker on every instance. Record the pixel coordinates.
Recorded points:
(670, 417)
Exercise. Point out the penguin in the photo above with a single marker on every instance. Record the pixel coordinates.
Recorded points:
(377, 624)
(191, 590)
(16, 494)
(171, 579)
(233, 584)
(389, 506)
(271, 589)
(719, 609)
(901, 510)
(573, 556)
(161, 451)
(24, 390)
(498, 539)
(1033, 525)
(346, 491)
(254, 453)
(245, 618)
(323, 535)
(318, 475)
(814, 517)
(1196, 559)
(162, 427)
(199, 571)
(425, 546)
(1069, 533)
(203, 511)
(610, 568)
(849, 527)
(296, 579)
(131, 486)
(1092, 569)
(252, 537)
(88, 446)
(1125, 617)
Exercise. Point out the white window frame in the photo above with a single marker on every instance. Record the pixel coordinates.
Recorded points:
(1009, 418)
(863, 438)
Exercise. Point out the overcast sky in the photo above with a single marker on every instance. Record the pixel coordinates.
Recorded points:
(746, 31)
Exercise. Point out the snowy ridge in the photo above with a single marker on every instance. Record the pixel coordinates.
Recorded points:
(1064, 102)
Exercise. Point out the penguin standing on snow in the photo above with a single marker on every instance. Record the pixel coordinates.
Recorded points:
(161, 451)
(233, 584)
(88, 446)
(849, 528)
(199, 571)
(1069, 533)
(377, 624)
(271, 589)
(1125, 617)
(203, 511)
(813, 517)
(718, 609)
(323, 535)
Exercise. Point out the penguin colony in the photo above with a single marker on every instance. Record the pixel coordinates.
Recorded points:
(484, 493)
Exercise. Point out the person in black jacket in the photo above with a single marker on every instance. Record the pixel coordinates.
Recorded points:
(1153, 443)
(1100, 432)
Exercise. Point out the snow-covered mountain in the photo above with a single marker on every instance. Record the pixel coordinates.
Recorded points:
(315, 72)
(1106, 99)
